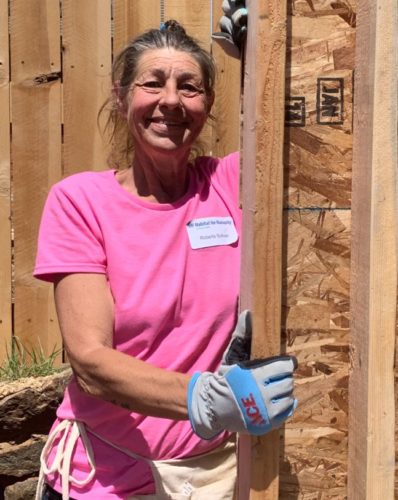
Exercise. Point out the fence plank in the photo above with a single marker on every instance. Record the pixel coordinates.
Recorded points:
(132, 18)
(374, 254)
(196, 19)
(262, 195)
(226, 109)
(5, 208)
(36, 155)
(194, 16)
(86, 41)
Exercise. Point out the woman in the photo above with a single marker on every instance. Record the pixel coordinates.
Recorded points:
(145, 262)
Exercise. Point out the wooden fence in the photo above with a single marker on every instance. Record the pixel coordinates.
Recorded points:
(54, 76)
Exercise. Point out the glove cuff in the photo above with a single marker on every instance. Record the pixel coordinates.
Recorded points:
(191, 386)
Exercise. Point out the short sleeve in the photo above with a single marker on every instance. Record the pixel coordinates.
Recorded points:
(70, 239)
(223, 173)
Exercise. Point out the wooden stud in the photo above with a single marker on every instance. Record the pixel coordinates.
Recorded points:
(374, 254)
(262, 195)
(36, 155)
(86, 42)
(5, 186)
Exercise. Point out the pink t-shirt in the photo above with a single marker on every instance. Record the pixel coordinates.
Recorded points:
(175, 306)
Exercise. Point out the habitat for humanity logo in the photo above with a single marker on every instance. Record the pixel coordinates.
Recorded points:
(210, 222)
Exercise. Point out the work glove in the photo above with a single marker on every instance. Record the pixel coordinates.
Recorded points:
(239, 347)
(233, 25)
(251, 397)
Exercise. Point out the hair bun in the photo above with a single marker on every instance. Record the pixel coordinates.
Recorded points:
(174, 26)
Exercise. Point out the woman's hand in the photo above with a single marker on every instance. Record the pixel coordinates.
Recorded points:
(252, 397)
(233, 25)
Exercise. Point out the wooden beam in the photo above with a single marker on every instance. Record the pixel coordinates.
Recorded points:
(374, 254)
(262, 196)
(5, 186)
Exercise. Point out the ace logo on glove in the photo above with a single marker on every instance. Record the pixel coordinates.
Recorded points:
(252, 410)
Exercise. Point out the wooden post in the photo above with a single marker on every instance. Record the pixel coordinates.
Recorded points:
(262, 197)
(374, 254)
(5, 181)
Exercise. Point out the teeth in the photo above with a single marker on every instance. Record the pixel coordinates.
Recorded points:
(164, 122)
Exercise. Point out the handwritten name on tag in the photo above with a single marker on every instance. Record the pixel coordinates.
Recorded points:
(211, 232)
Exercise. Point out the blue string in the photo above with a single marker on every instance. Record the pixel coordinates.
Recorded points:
(315, 209)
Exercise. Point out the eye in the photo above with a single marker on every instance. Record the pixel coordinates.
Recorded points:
(153, 84)
(189, 89)
(150, 85)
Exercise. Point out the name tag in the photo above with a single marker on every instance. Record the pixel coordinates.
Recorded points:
(211, 232)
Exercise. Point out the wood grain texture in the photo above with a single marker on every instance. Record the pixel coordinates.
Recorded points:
(227, 105)
(374, 255)
(36, 157)
(262, 195)
(194, 16)
(132, 18)
(5, 186)
(86, 43)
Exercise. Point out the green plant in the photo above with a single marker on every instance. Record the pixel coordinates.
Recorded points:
(22, 362)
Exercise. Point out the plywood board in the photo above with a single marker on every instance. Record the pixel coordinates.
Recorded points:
(5, 185)
(36, 155)
(86, 45)
(317, 231)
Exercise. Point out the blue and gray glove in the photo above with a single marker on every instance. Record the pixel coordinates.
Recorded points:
(252, 397)
(233, 25)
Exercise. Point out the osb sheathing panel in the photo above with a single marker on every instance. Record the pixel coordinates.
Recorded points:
(318, 160)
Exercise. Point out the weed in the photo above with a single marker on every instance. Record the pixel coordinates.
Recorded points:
(21, 362)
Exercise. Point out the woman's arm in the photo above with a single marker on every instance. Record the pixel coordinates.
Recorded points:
(86, 315)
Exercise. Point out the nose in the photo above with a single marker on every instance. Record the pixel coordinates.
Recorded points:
(170, 96)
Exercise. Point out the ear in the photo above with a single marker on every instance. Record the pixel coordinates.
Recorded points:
(120, 99)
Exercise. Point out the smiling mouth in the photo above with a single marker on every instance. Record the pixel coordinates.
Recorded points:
(167, 123)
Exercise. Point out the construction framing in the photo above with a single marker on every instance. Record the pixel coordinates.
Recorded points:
(266, 268)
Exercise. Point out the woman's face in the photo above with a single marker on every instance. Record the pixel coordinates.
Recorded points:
(167, 106)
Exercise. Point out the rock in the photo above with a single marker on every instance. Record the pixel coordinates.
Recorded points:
(23, 490)
(27, 410)
(20, 460)
(28, 406)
